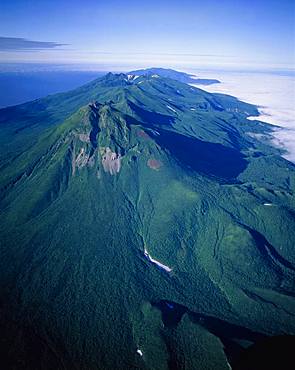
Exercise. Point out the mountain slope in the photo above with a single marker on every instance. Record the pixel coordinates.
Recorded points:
(142, 221)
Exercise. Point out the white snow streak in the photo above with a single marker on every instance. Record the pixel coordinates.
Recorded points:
(161, 265)
(173, 110)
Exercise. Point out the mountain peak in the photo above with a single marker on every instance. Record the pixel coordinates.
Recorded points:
(114, 79)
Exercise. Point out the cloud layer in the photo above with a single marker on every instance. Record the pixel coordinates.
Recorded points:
(17, 43)
(274, 93)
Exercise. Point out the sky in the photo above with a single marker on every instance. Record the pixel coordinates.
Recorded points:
(233, 34)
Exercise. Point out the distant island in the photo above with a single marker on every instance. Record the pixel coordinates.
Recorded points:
(176, 75)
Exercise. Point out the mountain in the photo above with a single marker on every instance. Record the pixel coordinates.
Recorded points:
(176, 75)
(144, 224)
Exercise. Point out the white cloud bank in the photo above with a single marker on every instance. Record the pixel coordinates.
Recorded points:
(274, 94)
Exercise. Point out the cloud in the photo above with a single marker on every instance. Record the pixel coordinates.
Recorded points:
(273, 93)
(285, 138)
(21, 44)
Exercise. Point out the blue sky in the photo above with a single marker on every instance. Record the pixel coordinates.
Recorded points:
(241, 33)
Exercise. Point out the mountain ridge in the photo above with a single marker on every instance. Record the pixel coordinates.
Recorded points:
(176, 75)
(112, 180)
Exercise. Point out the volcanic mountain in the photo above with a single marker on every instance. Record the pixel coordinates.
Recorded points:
(144, 224)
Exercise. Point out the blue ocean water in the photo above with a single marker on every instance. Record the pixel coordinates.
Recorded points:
(20, 87)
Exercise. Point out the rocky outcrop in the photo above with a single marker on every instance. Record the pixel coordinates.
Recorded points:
(111, 161)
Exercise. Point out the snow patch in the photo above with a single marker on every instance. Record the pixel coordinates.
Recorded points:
(139, 351)
(253, 118)
(173, 110)
(131, 77)
(161, 265)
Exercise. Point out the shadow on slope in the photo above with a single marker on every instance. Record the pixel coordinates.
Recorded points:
(211, 159)
(152, 118)
(229, 334)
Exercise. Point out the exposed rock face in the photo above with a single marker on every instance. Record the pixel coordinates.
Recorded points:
(111, 161)
(154, 164)
(100, 129)
(84, 138)
(143, 134)
(82, 158)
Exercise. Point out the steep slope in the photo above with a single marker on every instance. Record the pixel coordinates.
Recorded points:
(144, 224)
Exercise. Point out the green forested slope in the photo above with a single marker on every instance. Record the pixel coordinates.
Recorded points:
(142, 214)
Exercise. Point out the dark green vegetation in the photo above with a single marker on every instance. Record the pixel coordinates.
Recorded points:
(130, 197)
(175, 75)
